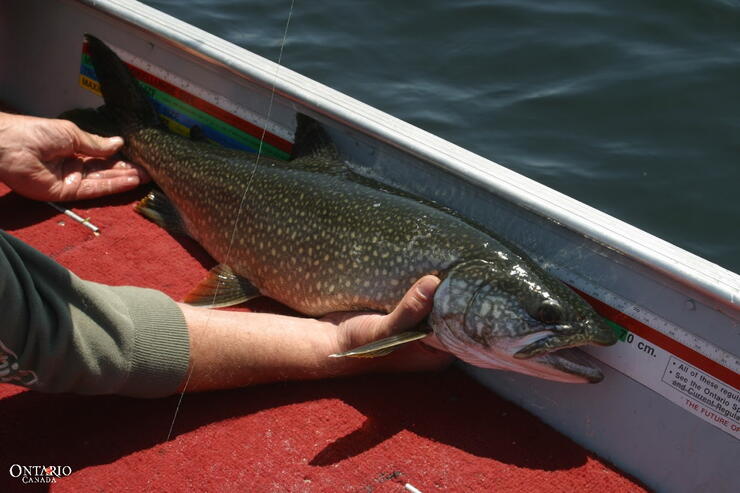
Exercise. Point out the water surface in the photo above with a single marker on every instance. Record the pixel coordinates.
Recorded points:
(632, 107)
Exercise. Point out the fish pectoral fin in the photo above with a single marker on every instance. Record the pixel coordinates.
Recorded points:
(383, 346)
(160, 210)
(222, 287)
(313, 149)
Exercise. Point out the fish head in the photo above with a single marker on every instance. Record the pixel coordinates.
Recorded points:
(514, 316)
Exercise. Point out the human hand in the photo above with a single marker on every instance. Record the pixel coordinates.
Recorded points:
(47, 159)
(357, 329)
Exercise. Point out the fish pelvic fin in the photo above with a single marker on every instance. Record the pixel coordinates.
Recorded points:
(382, 347)
(222, 287)
(158, 208)
(125, 100)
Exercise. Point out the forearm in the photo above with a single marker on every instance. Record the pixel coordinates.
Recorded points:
(235, 349)
(62, 334)
(232, 349)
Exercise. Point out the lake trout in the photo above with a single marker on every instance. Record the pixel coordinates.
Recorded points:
(309, 234)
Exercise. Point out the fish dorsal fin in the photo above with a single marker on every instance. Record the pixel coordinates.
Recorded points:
(160, 210)
(221, 287)
(126, 101)
(313, 149)
(383, 346)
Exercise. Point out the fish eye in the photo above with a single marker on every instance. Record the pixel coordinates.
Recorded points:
(549, 312)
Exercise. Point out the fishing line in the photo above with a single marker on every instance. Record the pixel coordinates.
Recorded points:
(241, 203)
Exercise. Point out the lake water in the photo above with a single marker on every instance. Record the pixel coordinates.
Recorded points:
(632, 107)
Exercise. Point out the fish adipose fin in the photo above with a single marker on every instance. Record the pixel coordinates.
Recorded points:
(157, 208)
(382, 346)
(313, 149)
(222, 287)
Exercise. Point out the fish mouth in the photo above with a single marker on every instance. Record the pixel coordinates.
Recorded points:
(565, 336)
(556, 351)
(546, 342)
(571, 365)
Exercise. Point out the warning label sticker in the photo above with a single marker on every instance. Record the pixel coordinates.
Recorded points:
(706, 396)
(699, 393)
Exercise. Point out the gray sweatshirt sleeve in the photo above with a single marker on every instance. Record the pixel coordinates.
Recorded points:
(59, 333)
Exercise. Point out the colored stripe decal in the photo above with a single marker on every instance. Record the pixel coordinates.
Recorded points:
(624, 321)
(189, 110)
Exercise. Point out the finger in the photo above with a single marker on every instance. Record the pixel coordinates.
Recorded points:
(112, 168)
(414, 307)
(91, 188)
(107, 174)
(106, 170)
(141, 172)
(94, 145)
(72, 175)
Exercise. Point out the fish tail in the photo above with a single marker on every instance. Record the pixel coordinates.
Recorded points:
(125, 99)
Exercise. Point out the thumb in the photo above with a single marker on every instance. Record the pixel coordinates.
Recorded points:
(414, 307)
(95, 145)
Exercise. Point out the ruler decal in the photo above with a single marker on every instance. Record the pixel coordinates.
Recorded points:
(694, 374)
(721, 369)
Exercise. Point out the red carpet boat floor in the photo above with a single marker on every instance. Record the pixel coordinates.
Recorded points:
(368, 434)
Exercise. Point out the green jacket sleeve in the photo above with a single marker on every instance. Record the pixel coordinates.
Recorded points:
(59, 333)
